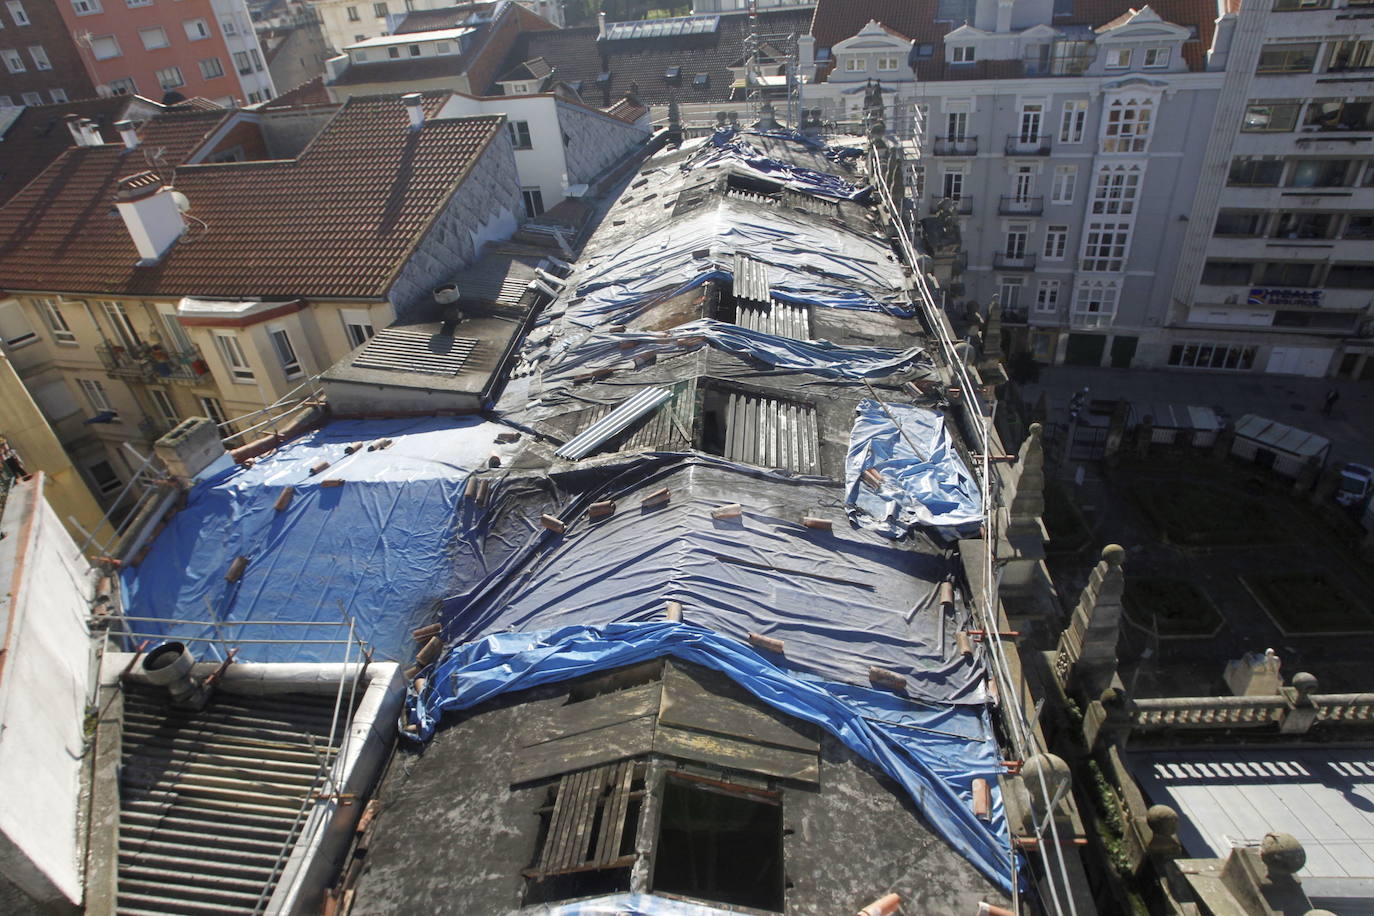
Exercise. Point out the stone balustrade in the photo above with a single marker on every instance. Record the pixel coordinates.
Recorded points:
(1248, 711)
(1345, 707)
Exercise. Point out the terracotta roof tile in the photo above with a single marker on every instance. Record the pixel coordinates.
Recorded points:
(311, 92)
(836, 20)
(339, 220)
(627, 111)
(39, 135)
(445, 18)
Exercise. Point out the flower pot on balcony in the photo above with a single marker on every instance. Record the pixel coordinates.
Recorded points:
(200, 367)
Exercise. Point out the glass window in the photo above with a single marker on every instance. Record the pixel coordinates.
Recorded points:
(123, 86)
(1285, 6)
(534, 201)
(1359, 227)
(136, 3)
(210, 68)
(1271, 116)
(196, 29)
(18, 13)
(379, 10)
(286, 353)
(1239, 223)
(153, 38)
(15, 330)
(58, 95)
(1338, 114)
(1056, 241)
(1287, 273)
(1094, 304)
(353, 15)
(1009, 291)
(95, 395)
(1015, 246)
(1255, 171)
(1294, 58)
(964, 54)
(40, 58)
(1116, 189)
(1351, 276)
(1118, 58)
(1319, 173)
(170, 78)
(1128, 126)
(234, 360)
(519, 134)
(214, 410)
(1047, 296)
(86, 7)
(855, 64)
(56, 321)
(243, 63)
(1156, 57)
(1350, 55)
(103, 475)
(162, 403)
(14, 61)
(1065, 178)
(1104, 246)
(954, 183)
(357, 325)
(889, 63)
(1071, 122)
(121, 326)
(1227, 273)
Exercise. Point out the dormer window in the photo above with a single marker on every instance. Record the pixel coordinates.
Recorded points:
(925, 52)
(1118, 58)
(855, 64)
(963, 54)
(888, 63)
(673, 75)
(1156, 57)
(701, 80)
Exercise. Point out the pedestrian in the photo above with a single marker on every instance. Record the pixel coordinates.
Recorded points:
(1332, 396)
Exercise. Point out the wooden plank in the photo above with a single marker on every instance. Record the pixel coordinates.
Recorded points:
(555, 820)
(708, 701)
(589, 715)
(737, 754)
(579, 840)
(565, 851)
(600, 746)
(613, 814)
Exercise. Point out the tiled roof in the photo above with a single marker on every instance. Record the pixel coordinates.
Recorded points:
(173, 135)
(836, 20)
(39, 135)
(446, 18)
(577, 57)
(339, 220)
(627, 111)
(416, 68)
(311, 92)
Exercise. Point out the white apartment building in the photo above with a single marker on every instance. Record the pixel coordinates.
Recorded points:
(1278, 271)
(347, 22)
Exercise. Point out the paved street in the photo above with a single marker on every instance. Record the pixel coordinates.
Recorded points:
(1295, 401)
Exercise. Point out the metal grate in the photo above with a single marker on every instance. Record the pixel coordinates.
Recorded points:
(781, 319)
(404, 350)
(587, 826)
(772, 433)
(209, 800)
(751, 279)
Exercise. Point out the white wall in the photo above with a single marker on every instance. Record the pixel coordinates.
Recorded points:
(43, 692)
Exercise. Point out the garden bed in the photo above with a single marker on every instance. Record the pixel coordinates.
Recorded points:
(1067, 528)
(1191, 514)
(1309, 602)
(1170, 607)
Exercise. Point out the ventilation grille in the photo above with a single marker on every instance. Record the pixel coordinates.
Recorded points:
(209, 800)
(404, 350)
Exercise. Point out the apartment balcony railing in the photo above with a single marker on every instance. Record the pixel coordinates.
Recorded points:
(962, 205)
(1014, 316)
(955, 146)
(1086, 321)
(1023, 145)
(1011, 205)
(152, 363)
(1004, 261)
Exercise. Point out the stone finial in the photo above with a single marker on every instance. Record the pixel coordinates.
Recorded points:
(1304, 684)
(1163, 823)
(1282, 854)
(1114, 555)
(1028, 499)
(1043, 775)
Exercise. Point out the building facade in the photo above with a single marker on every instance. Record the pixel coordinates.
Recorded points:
(41, 62)
(204, 48)
(348, 22)
(1278, 271)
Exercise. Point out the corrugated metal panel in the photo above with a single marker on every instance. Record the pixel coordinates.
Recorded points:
(500, 280)
(781, 319)
(613, 423)
(811, 204)
(772, 433)
(404, 350)
(209, 799)
(751, 279)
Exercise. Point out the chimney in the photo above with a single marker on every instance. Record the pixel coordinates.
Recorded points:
(127, 134)
(150, 213)
(1004, 15)
(93, 137)
(412, 101)
(601, 25)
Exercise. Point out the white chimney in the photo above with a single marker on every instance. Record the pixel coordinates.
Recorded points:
(78, 132)
(1004, 15)
(93, 137)
(412, 102)
(150, 213)
(601, 24)
(127, 134)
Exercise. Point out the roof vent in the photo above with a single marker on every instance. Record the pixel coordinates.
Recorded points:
(412, 102)
(151, 214)
(83, 130)
(127, 134)
(446, 294)
(169, 665)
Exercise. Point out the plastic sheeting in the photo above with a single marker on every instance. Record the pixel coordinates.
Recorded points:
(380, 547)
(843, 600)
(817, 357)
(734, 149)
(625, 905)
(925, 481)
(809, 262)
(934, 764)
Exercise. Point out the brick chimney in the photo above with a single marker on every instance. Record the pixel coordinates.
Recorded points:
(150, 212)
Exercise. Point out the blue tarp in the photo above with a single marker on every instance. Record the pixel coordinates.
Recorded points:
(930, 487)
(379, 548)
(934, 763)
(843, 600)
(817, 357)
(626, 905)
(730, 147)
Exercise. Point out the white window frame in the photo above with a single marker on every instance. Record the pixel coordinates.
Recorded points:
(1117, 59)
(1032, 115)
(58, 95)
(963, 54)
(214, 412)
(855, 63)
(131, 4)
(117, 51)
(196, 29)
(96, 396)
(14, 61)
(1116, 190)
(1009, 291)
(1106, 246)
(32, 98)
(235, 361)
(1065, 184)
(533, 198)
(163, 74)
(358, 327)
(125, 85)
(158, 34)
(888, 63)
(1047, 297)
(19, 332)
(121, 325)
(57, 322)
(1056, 243)
(1094, 303)
(86, 7)
(1156, 58)
(174, 334)
(1016, 242)
(949, 177)
(18, 13)
(40, 58)
(286, 351)
(1073, 121)
(165, 406)
(110, 487)
(214, 71)
(1127, 123)
(519, 134)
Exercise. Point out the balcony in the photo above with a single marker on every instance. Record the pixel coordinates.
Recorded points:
(955, 146)
(1014, 316)
(1024, 145)
(1004, 261)
(1088, 321)
(1021, 206)
(963, 206)
(154, 428)
(152, 363)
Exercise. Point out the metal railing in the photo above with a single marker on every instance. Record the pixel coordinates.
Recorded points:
(1013, 205)
(152, 363)
(955, 146)
(1004, 261)
(1023, 145)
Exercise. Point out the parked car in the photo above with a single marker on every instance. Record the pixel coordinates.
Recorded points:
(1357, 482)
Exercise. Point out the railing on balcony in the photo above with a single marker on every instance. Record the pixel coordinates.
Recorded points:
(152, 363)
(962, 205)
(1014, 315)
(1082, 321)
(1012, 205)
(1004, 261)
(955, 146)
(1025, 145)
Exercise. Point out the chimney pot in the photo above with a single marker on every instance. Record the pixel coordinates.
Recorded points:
(601, 25)
(93, 137)
(127, 134)
(412, 102)
(150, 213)
(77, 130)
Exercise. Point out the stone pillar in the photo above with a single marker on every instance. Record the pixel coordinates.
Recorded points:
(1302, 712)
(1087, 648)
(1022, 531)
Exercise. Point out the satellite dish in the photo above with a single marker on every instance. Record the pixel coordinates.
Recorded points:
(181, 200)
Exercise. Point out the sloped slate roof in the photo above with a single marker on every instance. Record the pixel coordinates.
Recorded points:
(339, 220)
